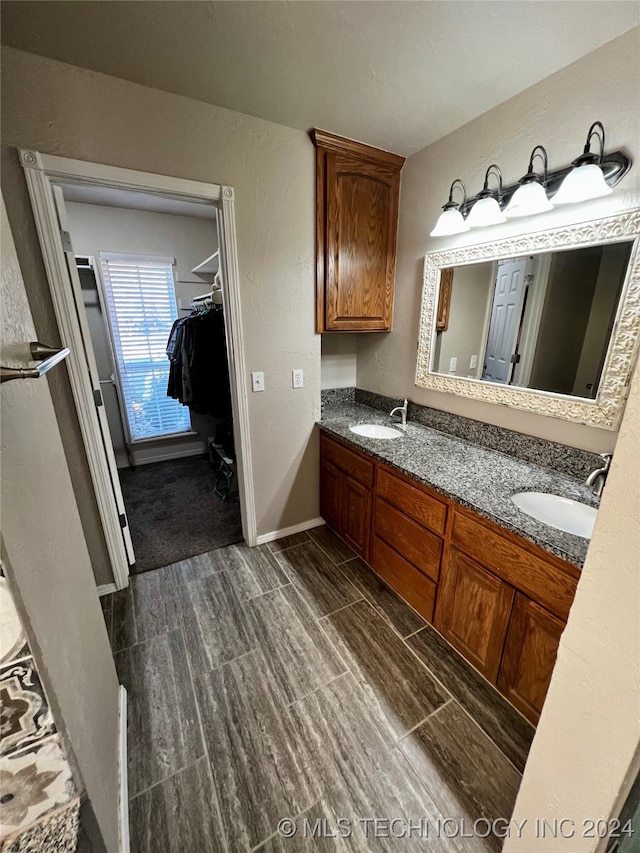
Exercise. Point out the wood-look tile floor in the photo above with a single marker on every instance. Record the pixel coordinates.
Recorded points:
(289, 682)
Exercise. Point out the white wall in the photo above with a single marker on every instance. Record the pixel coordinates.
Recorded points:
(188, 239)
(46, 561)
(471, 294)
(589, 729)
(60, 109)
(556, 113)
(339, 363)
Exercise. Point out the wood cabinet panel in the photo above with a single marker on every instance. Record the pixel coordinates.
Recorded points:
(419, 546)
(349, 461)
(357, 192)
(543, 577)
(356, 518)
(412, 585)
(413, 501)
(360, 253)
(330, 493)
(529, 656)
(473, 612)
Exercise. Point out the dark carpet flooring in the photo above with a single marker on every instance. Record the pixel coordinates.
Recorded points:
(174, 514)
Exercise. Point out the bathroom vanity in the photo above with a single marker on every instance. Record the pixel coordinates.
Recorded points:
(448, 523)
(491, 580)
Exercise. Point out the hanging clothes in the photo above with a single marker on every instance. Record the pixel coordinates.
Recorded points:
(199, 367)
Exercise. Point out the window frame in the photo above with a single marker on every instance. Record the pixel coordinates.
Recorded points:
(132, 258)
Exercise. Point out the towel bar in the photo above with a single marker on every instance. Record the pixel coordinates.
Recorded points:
(47, 356)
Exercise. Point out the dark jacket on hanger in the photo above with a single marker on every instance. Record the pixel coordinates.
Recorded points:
(199, 370)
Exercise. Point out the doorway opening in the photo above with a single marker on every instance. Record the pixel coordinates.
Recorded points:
(151, 289)
(143, 275)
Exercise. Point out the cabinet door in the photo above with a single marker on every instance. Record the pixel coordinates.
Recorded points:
(361, 230)
(472, 612)
(331, 480)
(356, 516)
(529, 656)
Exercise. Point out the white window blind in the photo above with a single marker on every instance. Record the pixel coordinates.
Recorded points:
(141, 301)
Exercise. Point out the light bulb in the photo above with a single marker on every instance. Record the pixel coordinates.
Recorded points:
(581, 184)
(450, 222)
(528, 200)
(485, 212)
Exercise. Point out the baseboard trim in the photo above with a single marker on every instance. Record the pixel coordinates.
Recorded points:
(106, 589)
(288, 531)
(124, 784)
(165, 457)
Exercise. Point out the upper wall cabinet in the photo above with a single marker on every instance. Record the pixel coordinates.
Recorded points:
(357, 191)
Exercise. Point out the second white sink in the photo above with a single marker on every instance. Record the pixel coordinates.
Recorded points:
(376, 431)
(561, 513)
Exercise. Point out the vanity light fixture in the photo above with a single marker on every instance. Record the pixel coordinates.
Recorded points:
(590, 176)
(586, 180)
(486, 210)
(531, 196)
(451, 220)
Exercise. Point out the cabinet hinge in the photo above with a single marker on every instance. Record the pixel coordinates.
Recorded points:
(97, 397)
(65, 236)
(123, 520)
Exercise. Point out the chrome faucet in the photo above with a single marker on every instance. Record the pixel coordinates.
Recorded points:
(598, 478)
(402, 411)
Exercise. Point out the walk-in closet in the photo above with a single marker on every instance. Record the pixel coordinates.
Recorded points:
(152, 291)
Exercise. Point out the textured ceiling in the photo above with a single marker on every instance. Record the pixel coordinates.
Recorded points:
(113, 197)
(394, 74)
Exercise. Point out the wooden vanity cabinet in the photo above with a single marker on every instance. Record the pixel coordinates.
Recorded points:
(529, 656)
(346, 481)
(500, 600)
(473, 612)
(503, 603)
(408, 538)
(357, 193)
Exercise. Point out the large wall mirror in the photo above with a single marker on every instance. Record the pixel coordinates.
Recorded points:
(547, 322)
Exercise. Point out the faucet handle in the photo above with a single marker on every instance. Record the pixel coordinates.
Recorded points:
(607, 459)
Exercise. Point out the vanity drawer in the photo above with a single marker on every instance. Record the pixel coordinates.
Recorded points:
(351, 463)
(540, 577)
(407, 581)
(415, 503)
(417, 545)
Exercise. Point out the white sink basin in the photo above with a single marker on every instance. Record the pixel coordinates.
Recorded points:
(376, 431)
(561, 513)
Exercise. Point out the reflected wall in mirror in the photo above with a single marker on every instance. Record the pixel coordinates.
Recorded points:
(536, 321)
(547, 322)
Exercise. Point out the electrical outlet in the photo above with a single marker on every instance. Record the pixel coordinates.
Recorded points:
(257, 381)
(453, 363)
(297, 379)
(474, 361)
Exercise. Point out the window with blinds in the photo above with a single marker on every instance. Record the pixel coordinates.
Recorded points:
(141, 302)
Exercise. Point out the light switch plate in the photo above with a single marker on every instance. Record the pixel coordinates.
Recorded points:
(474, 361)
(297, 379)
(453, 363)
(257, 381)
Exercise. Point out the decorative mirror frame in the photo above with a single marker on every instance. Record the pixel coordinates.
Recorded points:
(606, 409)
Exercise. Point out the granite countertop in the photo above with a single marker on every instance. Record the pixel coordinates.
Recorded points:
(473, 476)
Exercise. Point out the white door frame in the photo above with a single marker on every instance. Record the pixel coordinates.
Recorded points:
(42, 171)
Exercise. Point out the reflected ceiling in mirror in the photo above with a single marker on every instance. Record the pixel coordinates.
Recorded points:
(546, 322)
